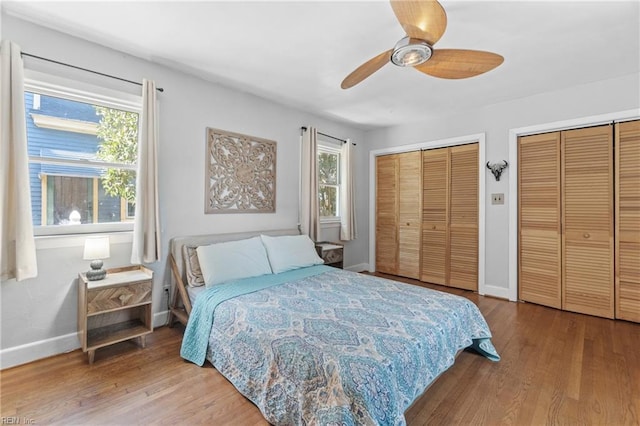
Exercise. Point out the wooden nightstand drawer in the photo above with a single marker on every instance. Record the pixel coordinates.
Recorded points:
(331, 253)
(333, 256)
(108, 299)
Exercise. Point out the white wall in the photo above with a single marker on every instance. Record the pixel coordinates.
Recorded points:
(38, 316)
(603, 97)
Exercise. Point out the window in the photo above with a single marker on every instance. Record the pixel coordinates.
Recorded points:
(82, 161)
(329, 180)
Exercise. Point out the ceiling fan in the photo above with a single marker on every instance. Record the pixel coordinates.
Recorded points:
(424, 22)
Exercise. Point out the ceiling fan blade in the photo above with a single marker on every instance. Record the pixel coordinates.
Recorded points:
(459, 63)
(424, 19)
(366, 69)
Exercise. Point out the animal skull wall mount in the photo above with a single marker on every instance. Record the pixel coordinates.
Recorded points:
(497, 168)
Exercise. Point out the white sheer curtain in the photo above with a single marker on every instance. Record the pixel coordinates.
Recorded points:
(309, 210)
(17, 249)
(347, 196)
(146, 227)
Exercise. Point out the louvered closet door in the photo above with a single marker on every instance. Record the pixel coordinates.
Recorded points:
(628, 221)
(435, 187)
(463, 217)
(387, 214)
(587, 197)
(539, 240)
(410, 196)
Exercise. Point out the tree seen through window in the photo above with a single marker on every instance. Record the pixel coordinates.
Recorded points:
(328, 183)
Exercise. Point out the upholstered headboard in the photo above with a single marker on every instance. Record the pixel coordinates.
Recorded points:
(177, 243)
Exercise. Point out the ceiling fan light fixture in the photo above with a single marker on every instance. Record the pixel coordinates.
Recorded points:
(410, 52)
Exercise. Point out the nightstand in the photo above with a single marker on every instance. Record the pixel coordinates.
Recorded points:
(331, 253)
(114, 309)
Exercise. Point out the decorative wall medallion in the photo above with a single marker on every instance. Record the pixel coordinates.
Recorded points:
(241, 173)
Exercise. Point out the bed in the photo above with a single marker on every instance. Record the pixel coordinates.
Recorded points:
(317, 345)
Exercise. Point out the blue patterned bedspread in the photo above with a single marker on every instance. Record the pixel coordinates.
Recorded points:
(324, 346)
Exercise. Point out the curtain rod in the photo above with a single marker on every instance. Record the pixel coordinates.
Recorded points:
(159, 89)
(304, 129)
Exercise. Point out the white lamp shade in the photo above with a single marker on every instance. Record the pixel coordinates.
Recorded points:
(96, 248)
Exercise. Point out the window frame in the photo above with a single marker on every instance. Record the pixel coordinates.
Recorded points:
(331, 148)
(49, 85)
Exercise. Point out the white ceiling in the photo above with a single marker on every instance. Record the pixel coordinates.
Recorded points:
(297, 53)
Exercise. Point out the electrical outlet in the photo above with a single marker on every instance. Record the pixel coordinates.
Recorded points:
(166, 293)
(497, 198)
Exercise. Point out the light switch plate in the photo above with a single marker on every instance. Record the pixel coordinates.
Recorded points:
(497, 198)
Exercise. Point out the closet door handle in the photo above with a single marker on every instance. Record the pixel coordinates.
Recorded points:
(586, 235)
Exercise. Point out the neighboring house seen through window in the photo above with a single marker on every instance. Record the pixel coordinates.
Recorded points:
(329, 182)
(82, 163)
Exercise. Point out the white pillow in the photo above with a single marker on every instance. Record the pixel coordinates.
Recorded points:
(290, 252)
(233, 260)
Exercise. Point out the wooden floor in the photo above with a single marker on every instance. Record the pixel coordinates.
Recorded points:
(556, 368)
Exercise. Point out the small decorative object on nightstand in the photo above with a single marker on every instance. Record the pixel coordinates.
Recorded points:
(114, 309)
(331, 253)
(96, 249)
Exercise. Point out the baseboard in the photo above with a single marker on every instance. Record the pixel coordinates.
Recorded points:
(23, 354)
(495, 291)
(358, 268)
(160, 319)
(18, 355)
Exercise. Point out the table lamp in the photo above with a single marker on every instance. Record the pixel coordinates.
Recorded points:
(96, 249)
